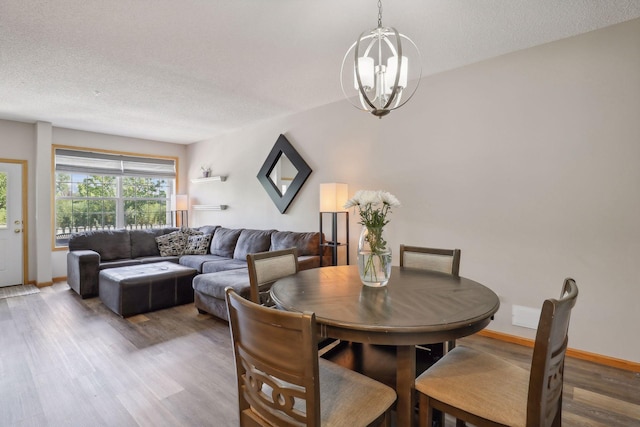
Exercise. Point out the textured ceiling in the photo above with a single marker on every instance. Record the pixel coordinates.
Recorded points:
(188, 70)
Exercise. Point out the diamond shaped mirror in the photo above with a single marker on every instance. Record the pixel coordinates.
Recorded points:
(283, 173)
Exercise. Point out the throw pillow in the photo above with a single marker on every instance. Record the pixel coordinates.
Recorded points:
(172, 244)
(190, 231)
(197, 244)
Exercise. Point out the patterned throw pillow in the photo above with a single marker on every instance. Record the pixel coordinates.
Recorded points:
(197, 244)
(172, 244)
(190, 231)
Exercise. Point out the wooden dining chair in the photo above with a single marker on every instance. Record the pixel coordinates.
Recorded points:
(443, 260)
(281, 380)
(434, 259)
(485, 390)
(267, 267)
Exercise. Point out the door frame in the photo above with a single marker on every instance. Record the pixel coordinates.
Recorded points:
(25, 223)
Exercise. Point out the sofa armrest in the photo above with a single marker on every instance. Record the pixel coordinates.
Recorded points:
(83, 268)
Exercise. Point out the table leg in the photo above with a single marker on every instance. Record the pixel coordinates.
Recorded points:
(405, 378)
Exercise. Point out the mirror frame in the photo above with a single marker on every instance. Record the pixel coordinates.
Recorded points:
(283, 146)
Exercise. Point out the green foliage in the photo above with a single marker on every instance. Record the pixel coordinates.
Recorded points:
(92, 201)
(3, 190)
(63, 184)
(3, 198)
(98, 186)
(136, 187)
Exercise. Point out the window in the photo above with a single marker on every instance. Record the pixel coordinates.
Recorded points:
(95, 191)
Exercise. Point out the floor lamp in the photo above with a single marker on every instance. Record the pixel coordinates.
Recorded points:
(333, 196)
(180, 210)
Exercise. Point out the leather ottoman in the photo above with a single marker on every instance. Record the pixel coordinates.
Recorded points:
(141, 288)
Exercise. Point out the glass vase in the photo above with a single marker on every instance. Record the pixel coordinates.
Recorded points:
(374, 257)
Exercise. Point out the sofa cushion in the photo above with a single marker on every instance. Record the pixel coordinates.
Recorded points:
(196, 261)
(110, 244)
(172, 244)
(251, 242)
(306, 243)
(223, 265)
(214, 284)
(224, 241)
(197, 244)
(143, 242)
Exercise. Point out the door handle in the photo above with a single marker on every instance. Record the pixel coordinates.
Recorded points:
(17, 230)
(17, 222)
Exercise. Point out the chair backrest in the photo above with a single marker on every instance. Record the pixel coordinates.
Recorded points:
(547, 365)
(276, 360)
(267, 267)
(443, 260)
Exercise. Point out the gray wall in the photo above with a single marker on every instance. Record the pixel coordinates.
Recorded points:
(527, 162)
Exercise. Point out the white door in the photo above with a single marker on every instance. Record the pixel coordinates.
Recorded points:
(11, 224)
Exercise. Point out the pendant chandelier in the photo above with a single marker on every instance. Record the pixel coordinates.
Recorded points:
(378, 70)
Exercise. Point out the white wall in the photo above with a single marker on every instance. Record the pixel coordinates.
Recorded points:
(528, 162)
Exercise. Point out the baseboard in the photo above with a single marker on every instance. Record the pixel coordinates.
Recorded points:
(627, 365)
(54, 280)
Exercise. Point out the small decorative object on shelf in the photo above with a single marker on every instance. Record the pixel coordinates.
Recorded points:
(206, 171)
(374, 254)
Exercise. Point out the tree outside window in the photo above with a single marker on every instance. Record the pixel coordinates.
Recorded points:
(3, 199)
(95, 202)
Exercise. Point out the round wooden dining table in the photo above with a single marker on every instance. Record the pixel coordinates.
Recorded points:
(415, 307)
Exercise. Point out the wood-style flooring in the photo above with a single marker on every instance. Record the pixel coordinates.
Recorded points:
(65, 361)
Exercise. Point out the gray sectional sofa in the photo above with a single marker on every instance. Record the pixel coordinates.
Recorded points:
(224, 263)
(227, 263)
(92, 251)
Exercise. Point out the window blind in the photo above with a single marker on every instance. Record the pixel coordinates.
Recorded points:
(112, 164)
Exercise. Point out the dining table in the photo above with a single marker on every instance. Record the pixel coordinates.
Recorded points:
(416, 307)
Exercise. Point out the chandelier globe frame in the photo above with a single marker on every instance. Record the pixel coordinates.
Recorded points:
(379, 68)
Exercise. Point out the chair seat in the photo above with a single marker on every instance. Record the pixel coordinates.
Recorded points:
(478, 383)
(348, 398)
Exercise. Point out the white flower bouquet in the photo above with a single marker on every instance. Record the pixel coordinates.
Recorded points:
(374, 257)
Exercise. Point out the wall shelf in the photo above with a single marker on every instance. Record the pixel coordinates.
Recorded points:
(220, 178)
(209, 207)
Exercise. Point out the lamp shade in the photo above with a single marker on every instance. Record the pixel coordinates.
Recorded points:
(366, 70)
(333, 196)
(392, 70)
(179, 202)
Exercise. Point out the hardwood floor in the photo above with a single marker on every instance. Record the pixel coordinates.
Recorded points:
(65, 361)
